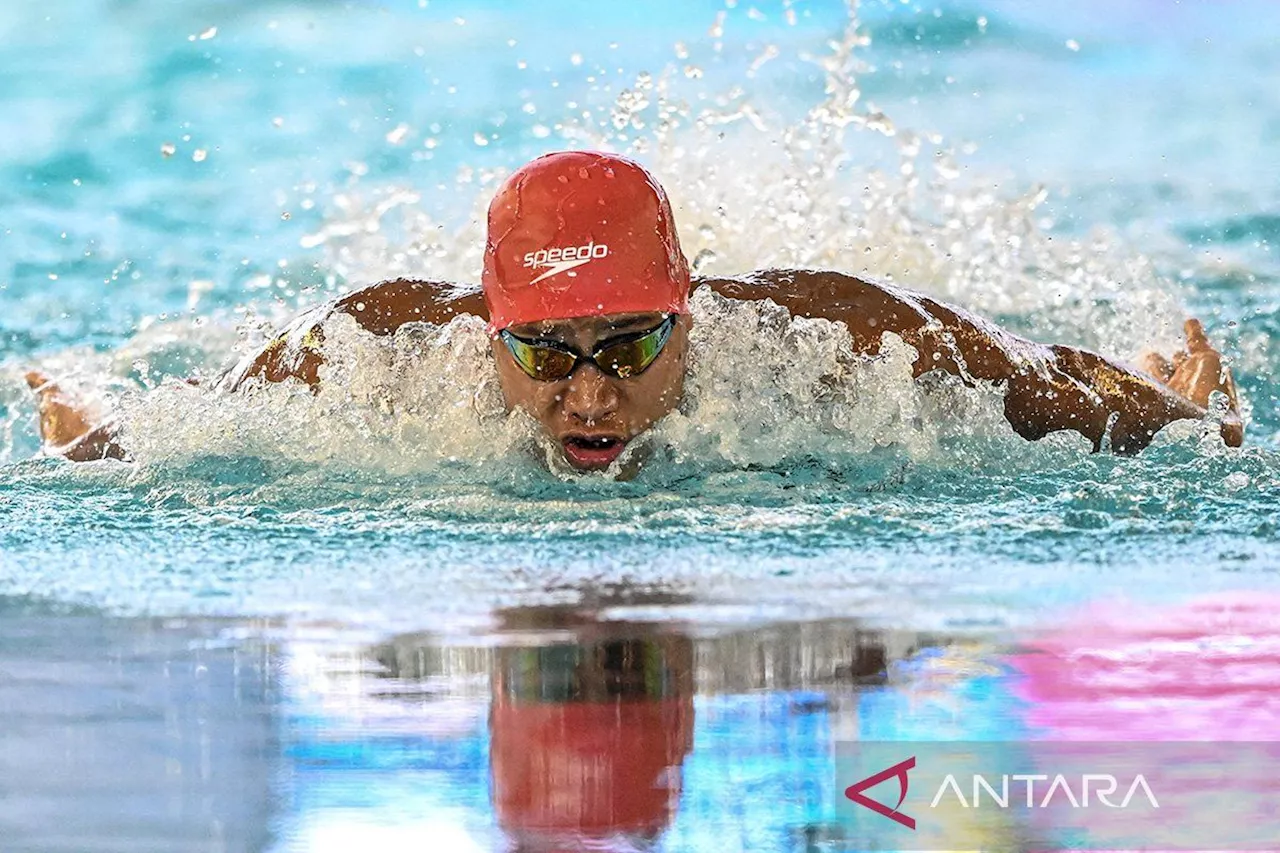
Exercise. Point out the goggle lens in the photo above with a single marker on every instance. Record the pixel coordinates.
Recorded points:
(623, 360)
(633, 357)
(540, 362)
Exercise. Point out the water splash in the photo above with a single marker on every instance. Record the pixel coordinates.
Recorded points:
(763, 389)
(753, 187)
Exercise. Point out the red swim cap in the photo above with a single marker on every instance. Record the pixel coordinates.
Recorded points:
(581, 234)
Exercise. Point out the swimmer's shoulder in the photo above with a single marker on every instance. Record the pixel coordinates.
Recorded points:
(384, 307)
(863, 303)
(802, 282)
(297, 352)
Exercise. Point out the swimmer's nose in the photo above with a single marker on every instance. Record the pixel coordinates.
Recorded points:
(591, 396)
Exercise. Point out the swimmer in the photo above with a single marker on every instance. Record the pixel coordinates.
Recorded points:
(586, 294)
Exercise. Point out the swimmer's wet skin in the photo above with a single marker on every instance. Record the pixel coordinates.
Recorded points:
(586, 293)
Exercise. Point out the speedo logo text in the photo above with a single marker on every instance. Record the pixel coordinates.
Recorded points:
(562, 259)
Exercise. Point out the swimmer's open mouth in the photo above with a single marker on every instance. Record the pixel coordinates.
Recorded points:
(593, 443)
(592, 451)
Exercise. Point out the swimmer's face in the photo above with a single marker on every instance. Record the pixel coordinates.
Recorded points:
(591, 415)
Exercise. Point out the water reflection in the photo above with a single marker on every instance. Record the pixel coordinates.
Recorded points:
(132, 734)
(573, 728)
(587, 740)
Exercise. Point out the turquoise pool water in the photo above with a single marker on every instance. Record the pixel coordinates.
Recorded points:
(177, 178)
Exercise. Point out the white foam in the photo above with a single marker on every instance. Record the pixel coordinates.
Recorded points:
(763, 389)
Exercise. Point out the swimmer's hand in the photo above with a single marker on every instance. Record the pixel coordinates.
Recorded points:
(1195, 372)
(66, 425)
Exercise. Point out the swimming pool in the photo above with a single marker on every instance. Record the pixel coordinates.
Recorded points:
(307, 643)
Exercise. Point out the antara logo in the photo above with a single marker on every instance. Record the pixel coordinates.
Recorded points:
(854, 792)
(560, 260)
(1101, 785)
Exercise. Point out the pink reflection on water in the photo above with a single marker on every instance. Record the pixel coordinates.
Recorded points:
(1204, 671)
(1207, 670)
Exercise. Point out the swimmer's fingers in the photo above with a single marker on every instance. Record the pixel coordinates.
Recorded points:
(1197, 340)
(1198, 375)
(1199, 346)
(37, 380)
(1199, 372)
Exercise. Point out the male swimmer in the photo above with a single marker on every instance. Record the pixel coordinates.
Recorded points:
(586, 293)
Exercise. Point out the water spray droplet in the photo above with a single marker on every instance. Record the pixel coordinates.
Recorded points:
(397, 135)
(703, 259)
(770, 52)
(717, 29)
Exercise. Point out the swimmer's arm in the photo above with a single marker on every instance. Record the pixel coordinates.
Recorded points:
(297, 352)
(1047, 388)
(68, 429)
(1052, 388)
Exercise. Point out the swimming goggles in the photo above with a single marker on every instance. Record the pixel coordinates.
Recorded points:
(621, 357)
